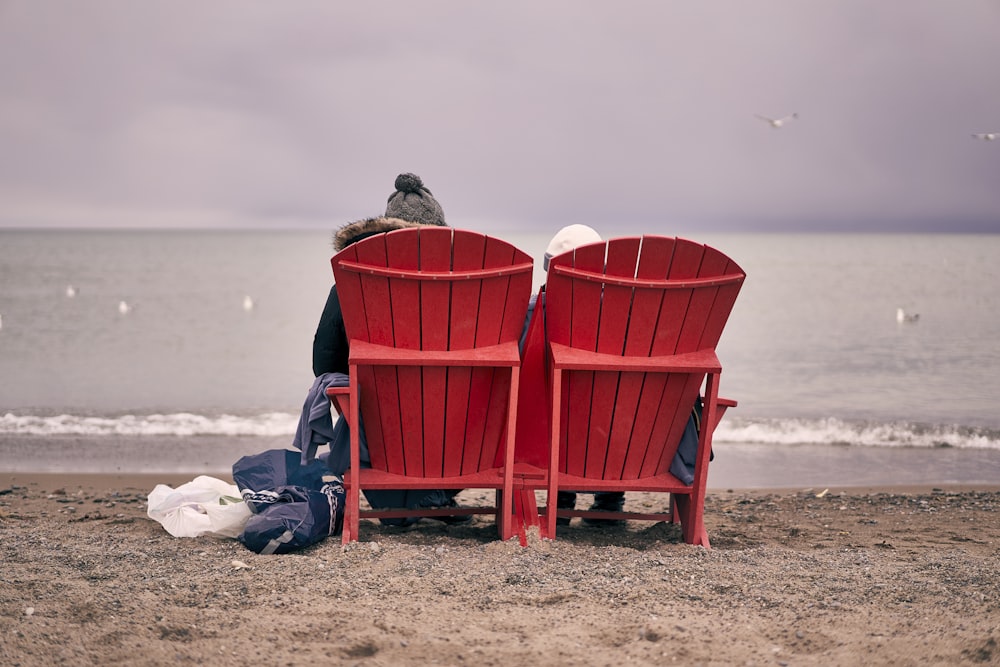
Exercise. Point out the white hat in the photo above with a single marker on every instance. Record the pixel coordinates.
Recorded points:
(569, 238)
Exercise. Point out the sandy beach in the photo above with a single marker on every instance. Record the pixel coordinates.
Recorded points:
(821, 576)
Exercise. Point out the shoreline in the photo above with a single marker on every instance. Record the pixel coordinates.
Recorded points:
(116, 481)
(736, 465)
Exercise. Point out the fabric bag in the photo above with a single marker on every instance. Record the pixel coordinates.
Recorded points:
(258, 476)
(293, 505)
(203, 506)
(298, 518)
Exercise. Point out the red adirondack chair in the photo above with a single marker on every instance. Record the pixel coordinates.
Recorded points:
(632, 325)
(433, 316)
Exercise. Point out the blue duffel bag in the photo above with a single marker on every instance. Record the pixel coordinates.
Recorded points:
(293, 506)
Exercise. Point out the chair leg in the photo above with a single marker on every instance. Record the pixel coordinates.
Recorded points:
(346, 534)
(692, 526)
(682, 513)
(352, 514)
(526, 514)
(552, 488)
(505, 517)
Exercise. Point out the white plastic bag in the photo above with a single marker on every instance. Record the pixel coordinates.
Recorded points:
(203, 506)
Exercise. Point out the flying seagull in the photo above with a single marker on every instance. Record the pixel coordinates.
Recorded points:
(987, 136)
(777, 123)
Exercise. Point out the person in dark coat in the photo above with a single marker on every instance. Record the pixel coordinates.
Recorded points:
(411, 205)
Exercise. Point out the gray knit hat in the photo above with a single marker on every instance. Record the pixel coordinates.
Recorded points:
(413, 202)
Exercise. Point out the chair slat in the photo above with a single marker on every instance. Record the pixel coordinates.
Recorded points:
(466, 298)
(586, 313)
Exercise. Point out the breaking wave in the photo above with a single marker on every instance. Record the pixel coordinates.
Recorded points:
(832, 431)
(829, 431)
(178, 424)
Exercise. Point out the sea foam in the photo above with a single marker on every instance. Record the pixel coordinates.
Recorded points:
(177, 424)
(829, 431)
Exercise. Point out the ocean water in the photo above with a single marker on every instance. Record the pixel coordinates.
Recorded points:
(813, 351)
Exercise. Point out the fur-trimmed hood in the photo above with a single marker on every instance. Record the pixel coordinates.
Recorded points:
(355, 231)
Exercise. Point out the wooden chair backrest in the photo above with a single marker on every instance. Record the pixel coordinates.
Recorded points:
(433, 288)
(643, 296)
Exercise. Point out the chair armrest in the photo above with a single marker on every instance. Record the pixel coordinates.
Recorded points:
(568, 358)
(341, 399)
(364, 353)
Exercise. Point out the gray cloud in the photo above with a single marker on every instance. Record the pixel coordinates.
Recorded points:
(517, 115)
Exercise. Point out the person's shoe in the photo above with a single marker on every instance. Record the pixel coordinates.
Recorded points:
(439, 501)
(565, 500)
(606, 502)
(405, 522)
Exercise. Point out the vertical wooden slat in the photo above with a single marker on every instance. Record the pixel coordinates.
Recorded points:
(653, 263)
(405, 316)
(644, 423)
(644, 323)
(612, 412)
(356, 321)
(692, 260)
(511, 325)
(684, 263)
(558, 320)
(435, 245)
(489, 331)
(680, 392)
(466, 301)
(725, 297)
(586, 314)
(381, 400)
(348, 286)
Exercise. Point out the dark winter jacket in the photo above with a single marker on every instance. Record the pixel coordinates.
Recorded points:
(330, 341)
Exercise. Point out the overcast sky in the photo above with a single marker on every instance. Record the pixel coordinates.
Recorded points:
(517, 115)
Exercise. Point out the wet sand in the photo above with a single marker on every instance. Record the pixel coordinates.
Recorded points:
(736, 465)
(887, 575)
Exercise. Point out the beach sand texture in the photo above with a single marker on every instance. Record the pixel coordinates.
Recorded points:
(803, 577)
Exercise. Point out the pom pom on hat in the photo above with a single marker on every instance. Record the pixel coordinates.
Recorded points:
(569, 238)
(408, 183)
(413, 202)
